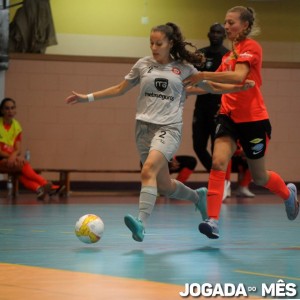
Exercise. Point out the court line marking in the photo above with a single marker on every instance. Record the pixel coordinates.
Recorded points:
(267, 275)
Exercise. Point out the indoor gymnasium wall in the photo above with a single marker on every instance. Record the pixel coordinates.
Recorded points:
(117, 28)
(114, 28)
(100, 135)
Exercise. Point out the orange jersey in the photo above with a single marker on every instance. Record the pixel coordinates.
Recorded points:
(245, 106)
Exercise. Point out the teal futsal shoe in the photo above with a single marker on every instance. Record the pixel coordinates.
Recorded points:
(136, 227)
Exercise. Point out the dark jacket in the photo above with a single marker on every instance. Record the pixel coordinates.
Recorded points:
(32, 29)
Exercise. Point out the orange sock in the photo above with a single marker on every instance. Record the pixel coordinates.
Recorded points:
(184, 174)
(277, 186)
(246, 178)
(228, 171)
(28, 172)
(29, 184)
(215, 193)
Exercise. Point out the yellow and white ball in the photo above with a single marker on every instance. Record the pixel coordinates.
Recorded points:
(89, 228)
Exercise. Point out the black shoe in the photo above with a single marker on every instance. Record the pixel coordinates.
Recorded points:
(57, 191)
(42, 191)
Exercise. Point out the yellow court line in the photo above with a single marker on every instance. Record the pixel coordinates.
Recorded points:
(267, 275)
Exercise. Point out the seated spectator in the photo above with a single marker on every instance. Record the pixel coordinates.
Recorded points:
(11, 161)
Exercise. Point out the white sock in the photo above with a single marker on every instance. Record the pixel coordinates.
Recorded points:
(183, 192)
(147, 201)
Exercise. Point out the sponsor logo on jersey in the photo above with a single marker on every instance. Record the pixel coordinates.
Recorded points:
(161, 84)
(159, 96)
(246, 55)
(176, 71)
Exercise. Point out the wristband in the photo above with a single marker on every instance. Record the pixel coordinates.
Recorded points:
(91, 97)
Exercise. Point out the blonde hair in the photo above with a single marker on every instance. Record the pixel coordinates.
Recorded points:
(247, 14)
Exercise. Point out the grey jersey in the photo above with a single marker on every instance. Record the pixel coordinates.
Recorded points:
(162, 94)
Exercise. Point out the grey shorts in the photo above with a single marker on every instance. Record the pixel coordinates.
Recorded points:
(163, 138)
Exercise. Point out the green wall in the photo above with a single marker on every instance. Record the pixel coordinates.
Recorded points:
(279, 19)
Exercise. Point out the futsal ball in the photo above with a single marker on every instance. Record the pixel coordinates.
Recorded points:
(89, 228)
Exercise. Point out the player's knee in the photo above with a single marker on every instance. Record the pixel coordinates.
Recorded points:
(147, 171)
(219, 164)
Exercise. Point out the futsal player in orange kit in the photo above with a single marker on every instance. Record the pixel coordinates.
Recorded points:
(244, 117)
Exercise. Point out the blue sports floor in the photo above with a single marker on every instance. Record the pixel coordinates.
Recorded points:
(41, 258)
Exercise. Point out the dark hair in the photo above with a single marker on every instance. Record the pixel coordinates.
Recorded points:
(247, 14)
(179, 51)
(3, 103)
(219, 25)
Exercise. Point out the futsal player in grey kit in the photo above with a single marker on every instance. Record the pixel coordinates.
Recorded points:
(159, 118)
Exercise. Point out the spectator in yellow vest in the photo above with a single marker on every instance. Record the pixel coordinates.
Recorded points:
(11, 160)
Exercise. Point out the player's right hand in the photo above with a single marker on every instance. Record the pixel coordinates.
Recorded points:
(76, 98)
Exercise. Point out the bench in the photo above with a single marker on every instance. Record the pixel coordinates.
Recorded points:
(65, 178)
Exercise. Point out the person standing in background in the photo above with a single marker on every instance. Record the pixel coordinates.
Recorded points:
(207, 105)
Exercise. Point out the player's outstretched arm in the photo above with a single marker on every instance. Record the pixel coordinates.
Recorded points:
(238, 76)
(114, 91)
(225, 88)
(207, 86)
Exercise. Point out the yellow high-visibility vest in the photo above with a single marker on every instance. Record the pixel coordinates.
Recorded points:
(8, 136)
